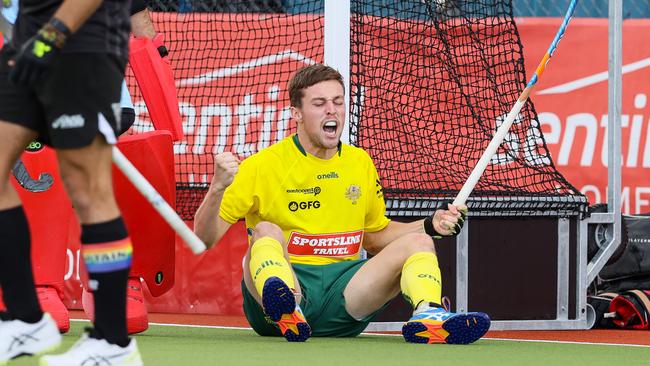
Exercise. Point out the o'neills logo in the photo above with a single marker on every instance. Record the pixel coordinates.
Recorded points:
(326, 245)
(330, 175)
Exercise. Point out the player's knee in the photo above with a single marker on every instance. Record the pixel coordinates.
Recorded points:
(73, 182)
(417, 242)
(85, 192)
(80, 195)
(269, 229)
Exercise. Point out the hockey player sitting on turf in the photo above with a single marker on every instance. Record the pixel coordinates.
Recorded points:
(310, 204)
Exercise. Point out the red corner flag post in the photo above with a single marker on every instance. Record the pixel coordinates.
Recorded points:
(156, 81)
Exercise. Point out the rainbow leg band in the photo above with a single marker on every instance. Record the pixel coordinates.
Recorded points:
(108, 257)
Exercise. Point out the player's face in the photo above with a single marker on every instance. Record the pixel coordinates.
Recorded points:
(320, 118)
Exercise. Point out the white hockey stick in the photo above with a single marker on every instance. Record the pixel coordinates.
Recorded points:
(483, 162)
(159, 204)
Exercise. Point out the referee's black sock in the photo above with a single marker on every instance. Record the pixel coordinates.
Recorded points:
(16, 277)
(107, 252)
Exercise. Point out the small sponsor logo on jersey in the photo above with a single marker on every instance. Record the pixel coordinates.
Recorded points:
(326, 245)
(67, 122)
(353, 193)
(379, 189)
(34, 146)
(303, 205)
(313, 190)
(330, 175)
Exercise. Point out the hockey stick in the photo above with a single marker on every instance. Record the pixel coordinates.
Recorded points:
(157, 202)
(41, 184)
(521, 101)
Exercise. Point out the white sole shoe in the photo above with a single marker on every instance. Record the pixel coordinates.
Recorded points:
(94, 351)
(18, 338)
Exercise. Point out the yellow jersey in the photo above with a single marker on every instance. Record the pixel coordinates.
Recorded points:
(323, 206)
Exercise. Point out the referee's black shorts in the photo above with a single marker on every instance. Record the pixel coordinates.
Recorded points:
(79, 98)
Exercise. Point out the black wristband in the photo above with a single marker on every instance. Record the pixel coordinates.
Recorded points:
(60, 26)
(429, 229)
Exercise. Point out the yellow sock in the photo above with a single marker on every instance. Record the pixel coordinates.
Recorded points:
(267, 260)
(421, 280)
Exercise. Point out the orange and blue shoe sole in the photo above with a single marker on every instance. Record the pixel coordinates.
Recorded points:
(280, 306)
(464, 328)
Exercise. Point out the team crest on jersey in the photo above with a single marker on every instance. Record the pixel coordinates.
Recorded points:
(353, 193)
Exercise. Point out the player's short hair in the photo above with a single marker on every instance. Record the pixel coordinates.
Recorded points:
(308, 76)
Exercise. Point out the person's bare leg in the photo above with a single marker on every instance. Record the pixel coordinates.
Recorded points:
(106, 246)
(378, 280)
(409, 265)
(87, 177)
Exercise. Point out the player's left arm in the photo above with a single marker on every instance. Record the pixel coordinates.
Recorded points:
(380, 232)
(142, 26)
(444, 223)
(374, 242)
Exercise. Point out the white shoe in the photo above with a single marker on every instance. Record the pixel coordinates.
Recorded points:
(18, 338)
(90, 351)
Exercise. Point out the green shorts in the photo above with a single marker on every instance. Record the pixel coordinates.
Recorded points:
(322, 302)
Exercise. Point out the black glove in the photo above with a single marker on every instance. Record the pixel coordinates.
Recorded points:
(431, 231)
(35, 57)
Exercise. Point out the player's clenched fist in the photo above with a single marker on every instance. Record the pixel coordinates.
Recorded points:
(445, 222)
(226, 166)
(450, 221)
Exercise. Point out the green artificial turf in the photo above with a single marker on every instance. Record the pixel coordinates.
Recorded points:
(188, 346)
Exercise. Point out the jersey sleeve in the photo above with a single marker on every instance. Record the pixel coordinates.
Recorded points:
(240, 197)
(376, 207)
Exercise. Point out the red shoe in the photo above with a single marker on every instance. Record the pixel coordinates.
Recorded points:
(137, 318)
(51, 303)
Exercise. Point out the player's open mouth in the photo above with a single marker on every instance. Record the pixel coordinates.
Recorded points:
(330, 128)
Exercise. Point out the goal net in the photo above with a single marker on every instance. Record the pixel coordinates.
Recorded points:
(430, 81)
(435, 79)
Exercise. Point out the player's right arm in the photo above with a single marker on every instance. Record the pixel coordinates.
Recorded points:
(74, 13)
(141, 24)
(38, 53)
(208, 225)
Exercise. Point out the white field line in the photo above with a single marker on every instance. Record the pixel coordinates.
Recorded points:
(246, 66)
(399, 335)
(593, 79)
(568, 342)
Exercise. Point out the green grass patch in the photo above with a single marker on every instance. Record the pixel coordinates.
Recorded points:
(187, 346)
